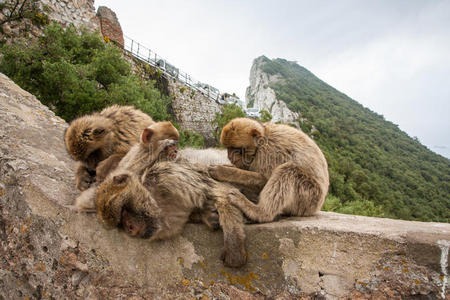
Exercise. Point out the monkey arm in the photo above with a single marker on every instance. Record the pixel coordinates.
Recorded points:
(238, 176)
(107, 166)
(83, 177)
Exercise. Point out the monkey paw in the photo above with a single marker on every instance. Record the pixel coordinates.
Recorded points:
(84, 181)
(234, 259)
(212, 220)
(234, 254)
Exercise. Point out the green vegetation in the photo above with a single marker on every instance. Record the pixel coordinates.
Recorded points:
(189, 138)
(229, 112)
(375, 168)
(75, 74)
(265, 116)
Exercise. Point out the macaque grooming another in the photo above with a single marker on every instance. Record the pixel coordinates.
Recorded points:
(153, 198)
(100, 140)
(292, 164)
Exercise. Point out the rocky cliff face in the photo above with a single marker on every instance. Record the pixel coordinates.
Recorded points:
(49, 251)
(262, 96)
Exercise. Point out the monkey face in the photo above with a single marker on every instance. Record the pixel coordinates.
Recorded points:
(87, 138)
(240, 157)
(138, 225)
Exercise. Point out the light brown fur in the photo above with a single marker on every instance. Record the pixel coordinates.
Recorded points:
(108, 134)
(292, 164)
(165, 195)
(140, 157)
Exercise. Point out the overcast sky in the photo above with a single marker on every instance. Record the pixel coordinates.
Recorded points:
(391, 56)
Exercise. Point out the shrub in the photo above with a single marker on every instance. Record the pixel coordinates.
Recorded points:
(77, 73)
(229, 112)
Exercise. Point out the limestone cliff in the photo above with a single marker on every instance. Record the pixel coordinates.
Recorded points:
(260, 95)
(49, 251)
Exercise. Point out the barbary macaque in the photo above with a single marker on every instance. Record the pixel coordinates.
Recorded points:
(289, 164)
(158, 203)
(140, 158)
(99, 141)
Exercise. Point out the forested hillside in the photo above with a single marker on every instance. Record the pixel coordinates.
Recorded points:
(375, 168)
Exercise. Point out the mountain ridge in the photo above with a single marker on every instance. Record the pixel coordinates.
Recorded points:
(375, 167)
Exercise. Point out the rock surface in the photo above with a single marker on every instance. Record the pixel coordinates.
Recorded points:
(48, 251)
(263, 96)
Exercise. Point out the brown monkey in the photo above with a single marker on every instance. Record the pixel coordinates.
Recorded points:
(292, 164)
(136, 161)
(158, 204)
(107, 135)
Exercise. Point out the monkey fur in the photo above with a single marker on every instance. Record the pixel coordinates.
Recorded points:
(136, 161)
(289, 164)
(107, 135)
(164, 197)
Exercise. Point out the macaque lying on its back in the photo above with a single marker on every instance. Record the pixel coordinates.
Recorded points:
(158, 203)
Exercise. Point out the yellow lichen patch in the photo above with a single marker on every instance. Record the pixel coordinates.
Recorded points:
(405, 270)
(265, 256)
(244, 280)
(23, 228)
(180, 260)
(202, 265)
(441, 277)
(211, 282)
(205, 297)
(2, 191)
(215, 275)
(386, 268)
(40, 267)
(27, 298)
(185, 282)
(19, 283)
(416, 281)
(364, 284)
(379, 267)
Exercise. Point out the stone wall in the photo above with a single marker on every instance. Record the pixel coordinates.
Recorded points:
(76, 12)
(48, 251)
(194, 111)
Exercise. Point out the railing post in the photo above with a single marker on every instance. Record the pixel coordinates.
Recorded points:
(131, 50)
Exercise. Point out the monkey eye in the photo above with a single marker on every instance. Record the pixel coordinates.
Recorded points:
(99, 131)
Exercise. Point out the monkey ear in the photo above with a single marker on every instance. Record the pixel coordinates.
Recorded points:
(255, 132)
(118, 179)
(147, 135)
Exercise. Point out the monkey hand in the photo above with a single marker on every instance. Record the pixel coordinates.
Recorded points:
(84, 178)
(222, 173)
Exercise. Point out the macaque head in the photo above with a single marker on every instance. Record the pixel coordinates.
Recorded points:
(123, 201)
(242, 137)
(87, 139)
(161, 138)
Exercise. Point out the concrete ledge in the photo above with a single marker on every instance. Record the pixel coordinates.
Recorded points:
(49, 251)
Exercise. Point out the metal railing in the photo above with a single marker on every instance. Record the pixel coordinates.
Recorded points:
(152, 58)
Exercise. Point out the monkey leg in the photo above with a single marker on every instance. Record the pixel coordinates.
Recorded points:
(231, 220)
(287, 191)
(84, 177)
(235, 175)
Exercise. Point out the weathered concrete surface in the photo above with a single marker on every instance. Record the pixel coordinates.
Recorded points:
(49, 251)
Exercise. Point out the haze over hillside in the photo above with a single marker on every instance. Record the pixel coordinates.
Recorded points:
(375, 168)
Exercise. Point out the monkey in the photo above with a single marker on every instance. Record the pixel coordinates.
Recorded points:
(134, 162)
(291, 166)
(103, 137)
(157, 204)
